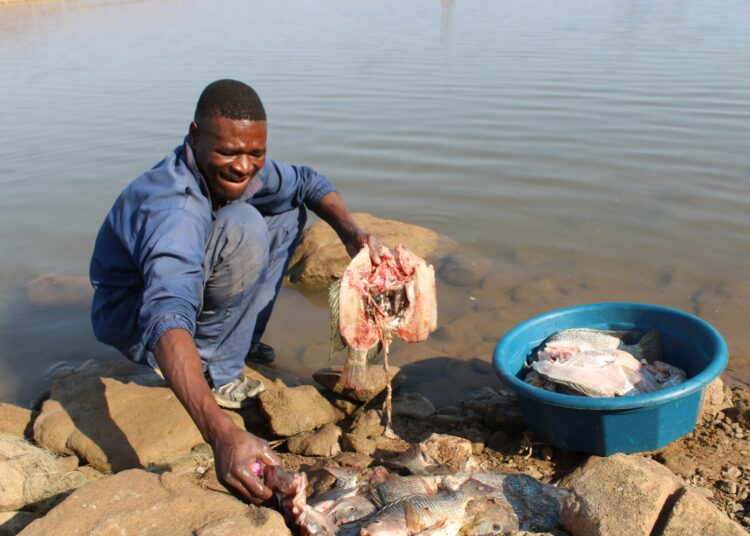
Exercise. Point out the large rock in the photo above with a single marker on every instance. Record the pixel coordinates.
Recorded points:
(30, 476)
(619, 495)
(116, 423)
(693, 514)
(320, 257)
(293, 410)
(374, 385)
(138, 502)
(54, 290)
(14, 419)
(323, 442)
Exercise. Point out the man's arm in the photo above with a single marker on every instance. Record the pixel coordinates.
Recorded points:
(235, 450)
(333, 211)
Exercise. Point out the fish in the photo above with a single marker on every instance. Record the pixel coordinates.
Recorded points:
(640, 345)
(398, 487)
(493, 517)
(372, 304)
(350, 509)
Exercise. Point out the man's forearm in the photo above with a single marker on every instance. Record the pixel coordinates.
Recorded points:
(333, 211)
(180, 363)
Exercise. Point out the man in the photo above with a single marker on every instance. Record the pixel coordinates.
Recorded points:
(189, 261)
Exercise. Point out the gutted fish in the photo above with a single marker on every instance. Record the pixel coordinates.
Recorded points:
(640, 345)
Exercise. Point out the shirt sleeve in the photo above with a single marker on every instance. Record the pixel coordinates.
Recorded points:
(286, 187)
(171, 251)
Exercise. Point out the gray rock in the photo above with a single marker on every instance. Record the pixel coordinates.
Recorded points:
(294, 410)
(323, 442)
(412, 405)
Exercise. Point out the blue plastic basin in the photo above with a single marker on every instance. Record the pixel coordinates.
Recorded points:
(606, 426)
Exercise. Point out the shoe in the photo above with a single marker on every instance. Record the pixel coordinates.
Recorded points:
(260, 353)
(238, 393)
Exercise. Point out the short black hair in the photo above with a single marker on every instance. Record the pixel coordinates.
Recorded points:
(231, 99)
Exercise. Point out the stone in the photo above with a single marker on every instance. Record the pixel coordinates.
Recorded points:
(116, 423)
(464, 269)
(507, 417)
(375, 384)
(412, 405)
(359, 444)
(15, 420)
(53, 290)
(619, 495)
(11, 523)
(293, 410)
(714, 401)
(323, 442)
(453, 452)
(498, 440)
(138, 502)
(693, 514)
(321, 258)
(675, 459)
(740, 412)
(31, 476)
(368, 424)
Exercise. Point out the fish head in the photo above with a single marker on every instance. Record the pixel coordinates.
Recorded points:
(314, 523)
(351, 509)
(386, 525)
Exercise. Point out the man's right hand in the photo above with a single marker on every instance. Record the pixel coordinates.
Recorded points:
(235, 452)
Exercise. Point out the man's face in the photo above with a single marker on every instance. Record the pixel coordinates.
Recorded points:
(228, 152)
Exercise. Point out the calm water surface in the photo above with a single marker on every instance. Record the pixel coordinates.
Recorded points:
(593, 150)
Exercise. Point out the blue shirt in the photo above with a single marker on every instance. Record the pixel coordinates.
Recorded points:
(147, 265)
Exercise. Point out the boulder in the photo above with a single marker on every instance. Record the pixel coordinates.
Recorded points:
(31, 477)
(138, 502)
(293, 410)
(412, 405)
(11, 523)
(619, 495)
(116, 423)
(321, 258)
(53, 290)
(693, 514)
(14, 420)
(375, 384)
(323, 442)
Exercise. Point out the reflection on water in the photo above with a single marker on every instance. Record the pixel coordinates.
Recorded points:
(591, 150)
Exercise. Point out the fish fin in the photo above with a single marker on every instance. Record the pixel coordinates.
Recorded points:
(337, 342)
(413, 520)
(650, 346)
(354, 375)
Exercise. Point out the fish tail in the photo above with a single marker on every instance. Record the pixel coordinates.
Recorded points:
(354, 375)
(649, 347)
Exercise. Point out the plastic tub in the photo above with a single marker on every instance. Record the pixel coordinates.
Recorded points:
(606, 426)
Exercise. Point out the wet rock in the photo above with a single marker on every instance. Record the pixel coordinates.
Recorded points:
(320, 257)
(323, 442)
(30, 475)
(52, 290)
(693, 514)
(115, 423)
(464, 269)
(15, 420)
(11, 523)
(618, 495)
(138, 502)
(714, 401)
(412, 405)
(376, 383)
(294, 410)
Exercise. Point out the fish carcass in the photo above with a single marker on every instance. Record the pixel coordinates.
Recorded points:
(372, 304)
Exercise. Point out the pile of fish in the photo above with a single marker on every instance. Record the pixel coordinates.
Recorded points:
(371, 304)
(379, 503)
(599, 363)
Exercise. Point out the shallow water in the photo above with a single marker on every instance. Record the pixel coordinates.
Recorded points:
(592, 150)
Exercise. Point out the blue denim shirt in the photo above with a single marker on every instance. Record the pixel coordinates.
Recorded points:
(147, 266)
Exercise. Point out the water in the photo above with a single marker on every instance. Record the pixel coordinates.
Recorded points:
(593, 150)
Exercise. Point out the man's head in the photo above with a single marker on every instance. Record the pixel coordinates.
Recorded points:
(228, 136)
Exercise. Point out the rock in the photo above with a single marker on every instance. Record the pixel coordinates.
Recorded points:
(345, 406)
(740, 413)
(714, 401)
(506, 417)
(277, 377)
(116, 423)
(323, 442)
(31, 476)
(619, 495)
(693, 514)
(498, 440)
(454, 452)
(412, 405)
(294, 410)
(675, 459)
(15, 420)
(358, 443)
(463, 270)
(51, 290)
(376, 383)
(368, 424)
(446, 420)
(320, 257)
(138, 502)
(11, 523)
(727, 486)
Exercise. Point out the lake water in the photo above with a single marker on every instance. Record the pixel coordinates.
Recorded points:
(593, 150)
